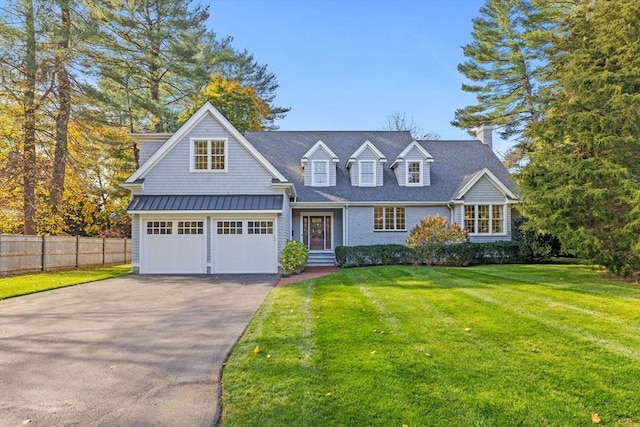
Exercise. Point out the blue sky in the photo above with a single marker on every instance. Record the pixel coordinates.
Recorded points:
(347, 65)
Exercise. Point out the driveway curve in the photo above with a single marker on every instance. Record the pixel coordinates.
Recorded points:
(134, 351)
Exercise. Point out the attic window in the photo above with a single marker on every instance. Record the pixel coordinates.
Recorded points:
(320, 173)
(414, 173)
(367, 173)
(209, 155)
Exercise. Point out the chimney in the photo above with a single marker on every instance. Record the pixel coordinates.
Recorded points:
(484, 133)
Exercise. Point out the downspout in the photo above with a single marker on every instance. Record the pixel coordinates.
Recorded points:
(345, 226)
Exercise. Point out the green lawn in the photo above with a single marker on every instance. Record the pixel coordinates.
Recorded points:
(483, 346)
(12, 286)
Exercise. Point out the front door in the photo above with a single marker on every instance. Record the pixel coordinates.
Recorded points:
(316, 232)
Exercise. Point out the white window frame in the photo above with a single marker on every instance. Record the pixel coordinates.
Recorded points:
(384, 218)
(475, 232)
(374, 173)
(192, 157)
(313, 173)
(421, 173)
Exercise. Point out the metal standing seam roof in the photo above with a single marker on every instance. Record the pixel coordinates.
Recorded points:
(260, 202)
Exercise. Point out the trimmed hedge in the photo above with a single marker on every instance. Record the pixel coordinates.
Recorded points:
(444, 254)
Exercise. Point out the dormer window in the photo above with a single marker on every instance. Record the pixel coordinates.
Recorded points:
(367, 170)
(414, 172)
(365, 166)
(412, 167)
(208, 155)
(320, 173)
(319, 164)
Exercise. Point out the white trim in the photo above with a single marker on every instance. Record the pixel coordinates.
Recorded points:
(375, 174)
(192, 166)
(212, 212)
(414, 144)
(287, 187)
(313, 173)
(384, 222)
(207, 108)
(494, 180)
(406, 173)
(322, 214)
(133, 186)
(364, 146)
(475, 219)
(306, 156)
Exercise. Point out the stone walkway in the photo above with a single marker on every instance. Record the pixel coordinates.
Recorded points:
(308, 273)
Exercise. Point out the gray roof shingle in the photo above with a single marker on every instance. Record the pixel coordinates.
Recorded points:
(453, 161)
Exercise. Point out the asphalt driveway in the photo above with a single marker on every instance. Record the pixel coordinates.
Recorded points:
(131, 351)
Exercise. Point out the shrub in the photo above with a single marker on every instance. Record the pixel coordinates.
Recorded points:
(436, 229)
(433, 254)
(293, 258)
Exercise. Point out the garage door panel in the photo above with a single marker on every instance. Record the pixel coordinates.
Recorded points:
(174, 247)
(245, 246)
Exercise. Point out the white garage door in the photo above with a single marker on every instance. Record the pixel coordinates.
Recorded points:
(173, 247)
(244, 246)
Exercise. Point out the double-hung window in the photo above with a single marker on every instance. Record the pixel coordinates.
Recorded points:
(414, 172)
(209, 155)
(320, 173)
(389, 218)
(484, 219)
(367, 173)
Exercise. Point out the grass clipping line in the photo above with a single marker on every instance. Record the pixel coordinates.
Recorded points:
(400, 345)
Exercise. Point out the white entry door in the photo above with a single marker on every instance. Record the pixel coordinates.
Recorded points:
(173, 246)
(245, 246)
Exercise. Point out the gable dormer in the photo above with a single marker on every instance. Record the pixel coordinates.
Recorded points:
(412, 167)
(319, 165)
(365, 166)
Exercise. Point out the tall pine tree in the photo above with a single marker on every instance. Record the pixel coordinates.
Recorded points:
(583, 181)
(506, 64)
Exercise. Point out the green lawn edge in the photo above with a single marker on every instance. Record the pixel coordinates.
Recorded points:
(25, 284)
(525, 345)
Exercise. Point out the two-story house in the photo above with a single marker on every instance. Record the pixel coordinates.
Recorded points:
(208, 199)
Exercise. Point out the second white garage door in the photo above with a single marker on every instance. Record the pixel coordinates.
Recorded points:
(244, 246)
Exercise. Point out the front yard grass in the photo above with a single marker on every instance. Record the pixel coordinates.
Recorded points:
(484, 346)
(12, 286)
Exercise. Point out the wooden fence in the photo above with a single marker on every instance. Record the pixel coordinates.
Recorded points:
(19, 254)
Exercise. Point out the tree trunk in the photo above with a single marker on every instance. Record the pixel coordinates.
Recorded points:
(64, 110)
(29, 142)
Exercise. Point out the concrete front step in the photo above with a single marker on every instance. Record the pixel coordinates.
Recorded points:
(322, 259)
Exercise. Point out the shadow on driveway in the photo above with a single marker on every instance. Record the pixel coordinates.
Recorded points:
(134, 350)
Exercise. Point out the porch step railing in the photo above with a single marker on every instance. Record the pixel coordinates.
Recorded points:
(321, 259)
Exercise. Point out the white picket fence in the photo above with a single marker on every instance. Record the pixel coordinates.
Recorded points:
(20, 254)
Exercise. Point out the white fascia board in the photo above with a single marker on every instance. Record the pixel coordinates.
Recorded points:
(207, 108)
(317, 205)
(369, 145)
(288, 187)
(316, 146)
(414, 144)
(205, 212)
(494, 180)
(150, 137)
(132, 186)
(398, 203)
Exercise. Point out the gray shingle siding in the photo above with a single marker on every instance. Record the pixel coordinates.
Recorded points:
(484, 192)
(147, 149)
(172, 175)
(361, 224)
(322, 155)
(354, 169)
(135, 239)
